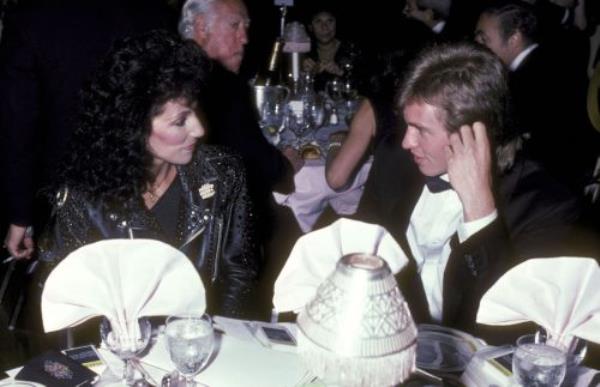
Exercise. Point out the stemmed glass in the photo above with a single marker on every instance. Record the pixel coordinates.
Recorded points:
(272, 119)
(297, 120)
(335, 90)
(190, 341)
(316, 112)
(126, 348)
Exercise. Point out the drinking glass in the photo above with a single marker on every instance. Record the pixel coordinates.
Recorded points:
(334, 89)
(272, 116)
(575, 349)
(126, 348)
(316, 110)
(536, 364)
(190, 341)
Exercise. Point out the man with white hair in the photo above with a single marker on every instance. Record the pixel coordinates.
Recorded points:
(220, 27)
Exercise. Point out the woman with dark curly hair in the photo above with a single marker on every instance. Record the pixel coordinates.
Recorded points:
(136, 170)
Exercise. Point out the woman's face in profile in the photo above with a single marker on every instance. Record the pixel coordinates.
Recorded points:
(323, 26)
(175, 132)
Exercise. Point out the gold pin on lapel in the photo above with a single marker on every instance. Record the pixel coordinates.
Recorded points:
(207, 190)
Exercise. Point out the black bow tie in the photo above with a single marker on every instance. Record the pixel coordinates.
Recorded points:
(436, 184)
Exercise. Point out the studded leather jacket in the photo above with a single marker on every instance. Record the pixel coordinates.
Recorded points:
(214, 227)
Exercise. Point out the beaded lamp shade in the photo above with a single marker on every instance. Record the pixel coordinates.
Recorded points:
(358, 330)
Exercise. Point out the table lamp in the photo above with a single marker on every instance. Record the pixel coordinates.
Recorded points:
(358, 330)
(297, 42)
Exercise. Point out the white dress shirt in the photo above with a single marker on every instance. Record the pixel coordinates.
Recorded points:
(434, 220)
(521, 57)
(438, 27)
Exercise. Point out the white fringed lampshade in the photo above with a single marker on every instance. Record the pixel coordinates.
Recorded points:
(358, 330)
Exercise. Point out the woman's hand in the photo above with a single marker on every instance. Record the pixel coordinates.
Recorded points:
(294, 157)
(309, 65)
(19, 242)
(330, 67)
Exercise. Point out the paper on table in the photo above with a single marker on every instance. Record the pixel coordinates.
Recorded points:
(559, 294)
(238, 363)
(315, 255)
(123, 280)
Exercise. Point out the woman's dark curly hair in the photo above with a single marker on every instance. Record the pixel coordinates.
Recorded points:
(108, 159)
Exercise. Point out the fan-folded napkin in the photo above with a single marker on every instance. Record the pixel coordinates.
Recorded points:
(123, 280)
(316, 254)
(559, 294)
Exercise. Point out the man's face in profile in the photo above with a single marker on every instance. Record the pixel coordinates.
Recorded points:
(488, 33)
(426, 137)
(224, 35)
(412, 10)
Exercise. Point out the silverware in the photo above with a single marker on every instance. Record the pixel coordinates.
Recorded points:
(147, 377)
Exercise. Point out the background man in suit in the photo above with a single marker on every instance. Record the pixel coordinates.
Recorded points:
(474, 205)
(549, 94)
(220, 28)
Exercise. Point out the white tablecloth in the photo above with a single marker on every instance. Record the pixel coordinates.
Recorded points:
(313, 195)
(241, 361)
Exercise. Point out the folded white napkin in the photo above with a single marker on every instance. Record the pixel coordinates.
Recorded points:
(316, 254)
(559, 294)
(123, 280)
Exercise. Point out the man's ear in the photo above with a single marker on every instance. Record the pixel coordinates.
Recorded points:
(515, 41)
(200, 29)
(429, 15)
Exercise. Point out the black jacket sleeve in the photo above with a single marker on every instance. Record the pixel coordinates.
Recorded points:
(241, 261)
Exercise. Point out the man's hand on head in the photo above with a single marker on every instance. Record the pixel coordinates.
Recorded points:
(470, 170)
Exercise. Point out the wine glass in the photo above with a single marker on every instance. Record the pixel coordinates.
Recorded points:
(272, 119)
(125, 347)
(334, 89)
(190, 341)
(538, 364)
(316, 111)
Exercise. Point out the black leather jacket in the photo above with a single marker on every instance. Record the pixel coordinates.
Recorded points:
(214, 227)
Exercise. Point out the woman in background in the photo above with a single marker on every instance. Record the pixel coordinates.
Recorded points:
(328, 54)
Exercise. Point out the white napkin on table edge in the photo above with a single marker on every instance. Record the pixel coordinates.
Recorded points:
(123, 280)
(559, 294)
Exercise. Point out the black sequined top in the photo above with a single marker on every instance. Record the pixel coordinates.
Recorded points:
(215, 227)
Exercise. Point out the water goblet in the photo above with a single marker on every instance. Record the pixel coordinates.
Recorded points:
(190, 341)
(126, 347)
(536, 364)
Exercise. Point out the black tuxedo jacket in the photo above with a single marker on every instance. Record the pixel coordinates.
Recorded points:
(232, 121)
(535, 215)
(549, 98)
(49, 48)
